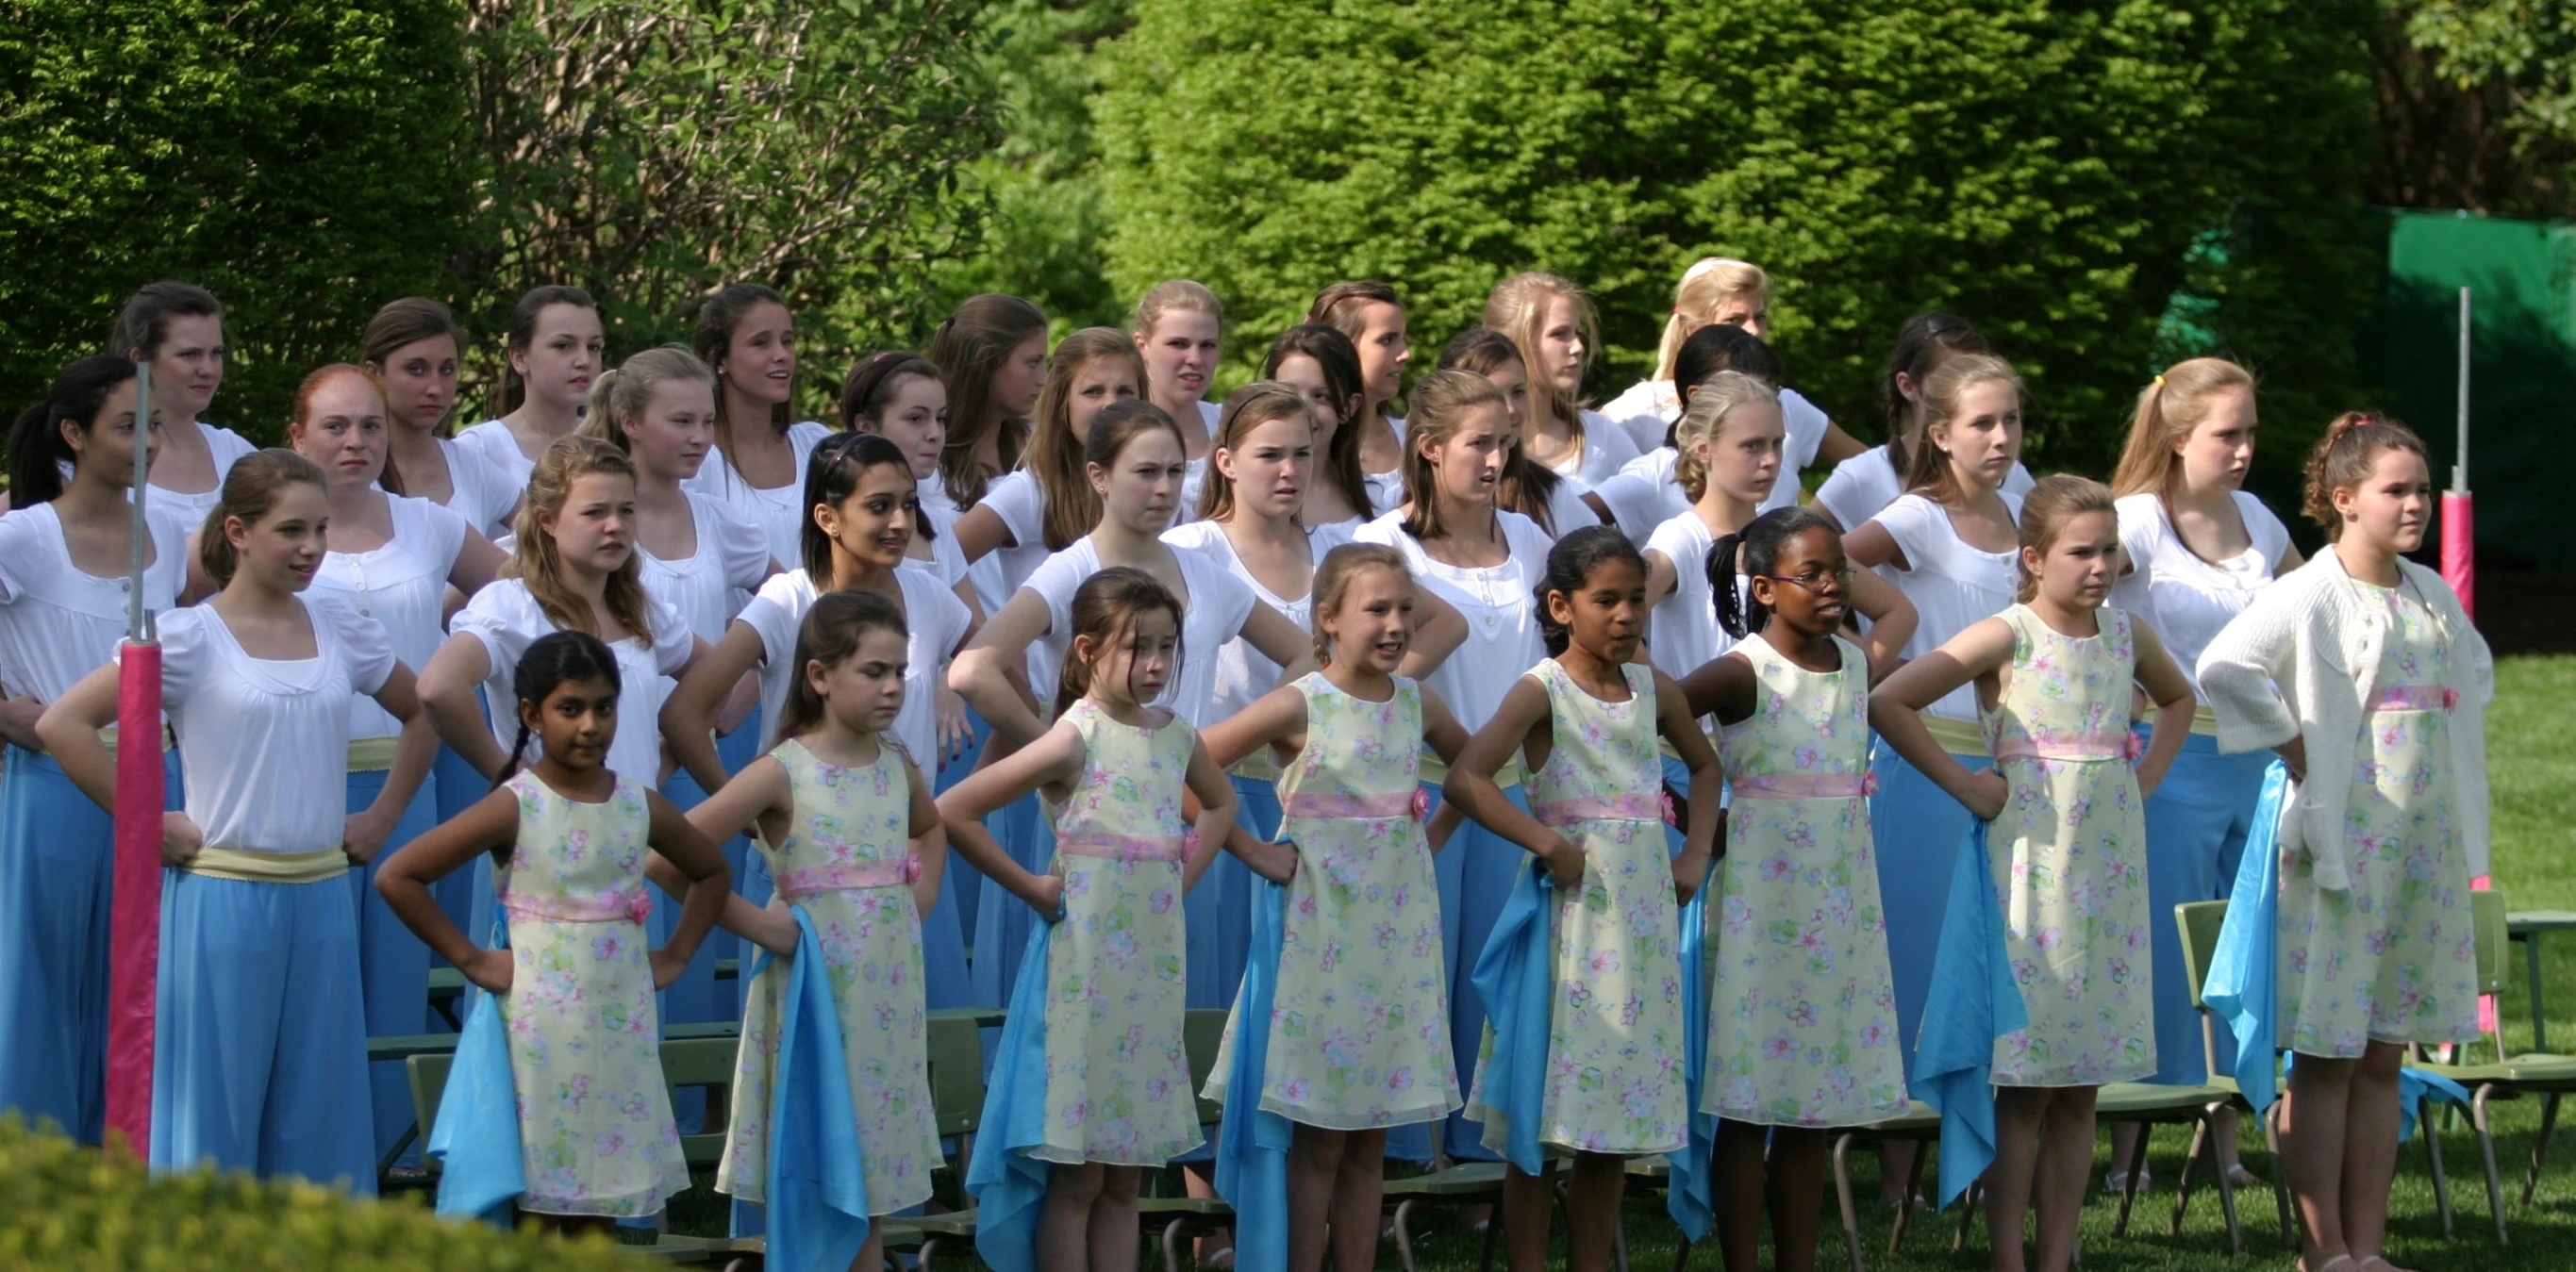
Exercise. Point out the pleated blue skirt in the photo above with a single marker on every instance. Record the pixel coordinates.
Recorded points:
(1916, 828)
(260, 1063)
(2197, 822)
(1476, 871)
(57, 867)
(393, 963)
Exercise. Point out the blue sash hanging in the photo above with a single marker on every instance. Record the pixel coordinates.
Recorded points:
(1514, 976)
(1691, 1195)
(476, 1138)
(1252, 1143)
(2243, 984)
(1974, 1001)
(818, 1195)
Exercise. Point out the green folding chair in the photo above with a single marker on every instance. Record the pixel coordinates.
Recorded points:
(2200, 923)
(1202, 1031)
(955, 1042)
(2510, 1077)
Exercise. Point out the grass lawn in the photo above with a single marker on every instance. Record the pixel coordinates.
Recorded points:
(2531, 759)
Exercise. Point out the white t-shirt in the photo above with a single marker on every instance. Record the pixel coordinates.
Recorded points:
(1951, 584)
(402, 587)
(1386, 489)
(508, 620)
(1644, 494)
(2183, 597)
(227, 447)
(1014, 497)
(1213, 613)
(492, 442)
(1683, 632)
(934, 622)
(1503, 638)
(709, 585)
(58, 623)
(1566, 511)
(265, 742)
(1861, 485)
(1606, 449)
(778, 511)
(1644, 411)
(1244, 673)
(479, 490)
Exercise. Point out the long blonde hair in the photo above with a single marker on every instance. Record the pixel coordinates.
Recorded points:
(1441, 403)
(1704, 420)
(540, 567)
(626, 391)
(1929, 471)
(2169, 409)
(1705, 288)
(1518, 309)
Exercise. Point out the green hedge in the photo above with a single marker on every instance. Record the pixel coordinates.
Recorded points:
(71, 1208)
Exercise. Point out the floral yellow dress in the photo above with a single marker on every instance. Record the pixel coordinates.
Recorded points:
(846, 861)
(1359, 1035)
(1615, 1077)
(2069, 857)
(1117, 1072)
(2394, 958)
(1802, 1009)
(595, 1128)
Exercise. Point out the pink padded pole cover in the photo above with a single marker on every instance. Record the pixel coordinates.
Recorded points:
(134, 940)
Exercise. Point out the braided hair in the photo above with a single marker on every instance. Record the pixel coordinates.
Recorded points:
(552, 660)
(1737, 611)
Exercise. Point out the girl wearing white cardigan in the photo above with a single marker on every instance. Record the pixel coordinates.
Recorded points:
(2362, 668)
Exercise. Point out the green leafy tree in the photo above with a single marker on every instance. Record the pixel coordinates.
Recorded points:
(301, 160)
(2477, 106)
(2055, 172)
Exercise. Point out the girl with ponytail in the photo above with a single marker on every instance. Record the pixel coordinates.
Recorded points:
(556, 348)
(412, 349)
(746, 340)
(1369, 315)
(1321, 363)
(179, 329)
(1864, 483)
(1719, 291)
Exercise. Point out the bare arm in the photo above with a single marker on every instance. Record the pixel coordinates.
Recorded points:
(1055, 758)
(689, 715)
(1979, 652)
(1446, 738)
(365, 834)
(1836, 445)
(1471, 782)
(758, 791)
(1872, 546)
(980, 670)
(1275, 718)
(929, 843)
(710, 885)
(1660, 575)
(1280, 641)
(476, 564)
(491, 824)
(1680, 727)
(980, 531)
(1440, 631)
(2167, 687)
(447, 688)
(1892, 620)
(1215, 815)
(1724, 686)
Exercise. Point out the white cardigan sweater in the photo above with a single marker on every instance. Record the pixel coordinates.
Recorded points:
(2303, 660)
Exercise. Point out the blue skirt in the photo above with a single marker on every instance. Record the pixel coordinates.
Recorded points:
(57, 868)
(1476, 871)
(965, 883)
(1219, 914)
(1003, 922)
(2197, 822)
(454, 787)
(393, 963)
(946, 980)
(261, 1060)
(1916, 828)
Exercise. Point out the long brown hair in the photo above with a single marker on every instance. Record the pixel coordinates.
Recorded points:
(1442, 402)
(1054, 459)
(540, 567)
(251, 489)
(532, 305)
(1528, 487)
(1921, 345)
(1106, 604)
(1339, 359)
(712, 339)
(2169, 409)
(970, 347)
(409, 320)
(1246, 409)
(830, 635)
(2343, 458)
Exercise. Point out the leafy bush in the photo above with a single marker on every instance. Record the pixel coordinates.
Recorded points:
(2046, 170)
(75, 1209)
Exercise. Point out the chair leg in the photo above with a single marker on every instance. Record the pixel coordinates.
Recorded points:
(2486, 1150)
(1681, 1254)
(1619, 1242)
(921, 1258)
(2182, 1186)
(2431, 1132)
(1968, 1218)
(1403, 1235)
(2226, 1187)
(1172, 1246)
(2540, 1147)
(2280, 1174)
(1493, 1229)
(1905, 1199)
(1843, 1196)
(2129, 1190)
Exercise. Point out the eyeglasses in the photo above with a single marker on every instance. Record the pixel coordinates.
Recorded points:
(1814, 580)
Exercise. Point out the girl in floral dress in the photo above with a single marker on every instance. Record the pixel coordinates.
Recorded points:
(1359, 1032)
(1111, 772)
(1587, 720)
(2054, 676)
(852, 840)
(1802, 1021)
(570, 838)
(2361, 669)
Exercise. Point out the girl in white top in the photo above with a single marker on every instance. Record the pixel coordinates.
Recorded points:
(1719, 291)
(1133, 462)
(1560, 504)
(748, 339)
(701, 557)
(1483, 561)
(1550, 320)
(259, 1057)
(392, 560)
(1864, 483)
(556, 348)
(1954, 545)
(64, 594)
(1179, 328)
(1369, 314)
(1645, 494)
(1730, 440)
(2198, 548)
(574, 569)
(1047, 503)
(179, 329)
(413, 348)
(898, 395)
(1320, 362)
(865, 510)
(992, 355)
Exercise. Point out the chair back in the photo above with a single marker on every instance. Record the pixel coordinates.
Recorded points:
(2200, 922)
(956, 1057)
(1202, 1030)
(706, 1062)
(428, 1074)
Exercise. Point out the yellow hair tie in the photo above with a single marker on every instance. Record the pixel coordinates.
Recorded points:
(2160, 382)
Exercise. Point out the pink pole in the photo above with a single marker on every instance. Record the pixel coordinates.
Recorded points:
(134, 940)
(2459, 548)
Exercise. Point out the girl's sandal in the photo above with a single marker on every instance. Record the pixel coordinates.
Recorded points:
(2343, 1260)
(2375, 1263)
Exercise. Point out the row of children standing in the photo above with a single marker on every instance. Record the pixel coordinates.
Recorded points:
(951, 512)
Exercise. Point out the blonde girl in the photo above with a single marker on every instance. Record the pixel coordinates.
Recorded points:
(746, 339)
(1720, 291)
(556, 348)
(415, 349)
(1179, 329)
(2053, 677)
(1370, 315)
(1113, 770)
(2362, 672)
(1551, 321)
(1864, 483)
